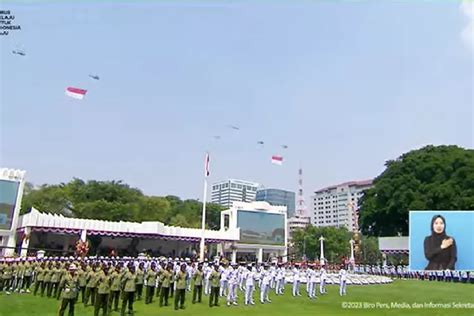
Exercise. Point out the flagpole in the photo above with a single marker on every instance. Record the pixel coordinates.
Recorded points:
(203, 223)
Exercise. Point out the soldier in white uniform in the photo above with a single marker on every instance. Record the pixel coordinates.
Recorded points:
(207, 284)
(265, 287)
(224, 282)
(296, 281)
(249, 286)
(342, 281)
(232, 283)
(312, 275)
(322, 280)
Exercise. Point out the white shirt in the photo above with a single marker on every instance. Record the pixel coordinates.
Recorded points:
(322, 274)
(250, 278)
(342, 275)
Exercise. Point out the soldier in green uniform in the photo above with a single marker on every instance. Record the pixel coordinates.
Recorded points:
(129, 286)
(150, 283)
(114, 289)
(180, 288)
(7, 277)
(214, 278)
(103, 291)
(55, 278)
(140, 280)
(91, 287)
(165, 279)
(198, 281)
(15, 277)
(39, 282)
(27, 277)
(162, 267)
(62, 272)
(47, 279)
(81, 276)
(69, 284)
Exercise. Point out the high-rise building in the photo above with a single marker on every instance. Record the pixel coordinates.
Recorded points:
(228, 191)
(278, 197)
(337, 205)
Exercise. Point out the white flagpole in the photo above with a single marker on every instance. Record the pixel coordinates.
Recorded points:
(203, 224)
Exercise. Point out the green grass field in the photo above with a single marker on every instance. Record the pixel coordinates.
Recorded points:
(331, 304)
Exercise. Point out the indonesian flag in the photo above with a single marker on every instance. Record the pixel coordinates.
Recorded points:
(277, 160)
(206, 166)
(75, 93)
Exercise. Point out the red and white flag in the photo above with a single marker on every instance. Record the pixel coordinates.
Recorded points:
(75, 93)
(277, 160)
(206, 166)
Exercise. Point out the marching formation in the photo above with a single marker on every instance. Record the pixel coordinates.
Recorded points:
(114, 284)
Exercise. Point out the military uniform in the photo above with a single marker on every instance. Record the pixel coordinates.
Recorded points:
(70, 285)
(27, 277)
(150, 285)
(91, 287)
(114, 290)
(39, 282)
(198, 281)
(129, 288)
(47, 280)
(103, 291)
(81, 276)
(180, 290)
(55, 278)
(215, 282)
(165, 280)
(7, 277)
(139, 283)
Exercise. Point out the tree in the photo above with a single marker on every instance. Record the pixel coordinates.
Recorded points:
(336, 243)
(117, 201)
(431, 178)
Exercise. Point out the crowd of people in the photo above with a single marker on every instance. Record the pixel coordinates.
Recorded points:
(114, 284)
(402, 272)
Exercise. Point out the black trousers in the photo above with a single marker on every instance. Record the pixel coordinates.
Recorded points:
(171, 289)
(197, 293)
(54, 289)
(158, 289)
(65, 302)
(128, 297)
(214, 297)
(179, 298)
(139, 291)
(101, 301)
(38, 285)
(27, 282)
(164, 294)
(114, 300)
(90, 292)
(5, 284)
(150, 292)
(82, 290)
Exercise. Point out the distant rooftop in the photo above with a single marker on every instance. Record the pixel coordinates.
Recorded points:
(350, 184)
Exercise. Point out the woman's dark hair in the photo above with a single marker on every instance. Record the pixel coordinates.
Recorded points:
(432, 223)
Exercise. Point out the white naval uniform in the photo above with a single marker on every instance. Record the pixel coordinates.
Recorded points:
(342, 282)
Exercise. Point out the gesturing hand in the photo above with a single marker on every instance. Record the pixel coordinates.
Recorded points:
(446, 243)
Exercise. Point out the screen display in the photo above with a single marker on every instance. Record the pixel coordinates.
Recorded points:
(8, 195)
(261, 228)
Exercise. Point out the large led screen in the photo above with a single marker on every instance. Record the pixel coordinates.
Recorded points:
(261, 228)
(8, 195)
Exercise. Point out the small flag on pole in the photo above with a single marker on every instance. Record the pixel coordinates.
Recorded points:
(206, 166)
(277, 160)
(75, 93)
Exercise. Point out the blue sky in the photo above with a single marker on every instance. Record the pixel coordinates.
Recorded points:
(346, 85)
